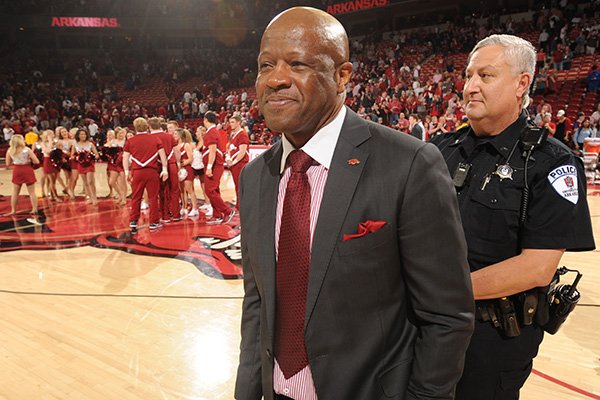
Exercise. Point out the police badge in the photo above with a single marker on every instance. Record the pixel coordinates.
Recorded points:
(504, 171)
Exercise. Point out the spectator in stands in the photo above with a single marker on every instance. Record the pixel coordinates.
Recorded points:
(7, 131)
(547, 123)
(557, 58)
(403, 123)
(541, 82)
(541, 59)
(415, 127)
(92, 129)
(564, 128)
(584, 131)
(591, 42)
(567, 58)
(541, 105)
(593, 79)
(539, 117)
(442, 126)
(595, 117)
(543, 39)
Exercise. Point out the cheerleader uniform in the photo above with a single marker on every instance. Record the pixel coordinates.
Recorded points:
(67, 165)
(190, 171)
(115, 158)
(22, 170)
(49, 165)
(37, 150)
(197, 164)
(84, 164)
(72, 161)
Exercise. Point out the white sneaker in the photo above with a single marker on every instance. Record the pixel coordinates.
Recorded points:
(193, 213)
(183, 212)
(228, 217)
(209, 212)
(205, 206)
(144, 206)
(216, 221)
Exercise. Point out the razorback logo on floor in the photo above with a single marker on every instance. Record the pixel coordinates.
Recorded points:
(213, 249)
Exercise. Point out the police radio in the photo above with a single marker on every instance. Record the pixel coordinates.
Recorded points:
(532, 137)
(563, 299)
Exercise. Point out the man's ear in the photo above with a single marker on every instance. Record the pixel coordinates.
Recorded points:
(343, 74)
(523, 84)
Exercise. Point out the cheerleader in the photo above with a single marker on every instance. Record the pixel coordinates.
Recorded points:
(74, 163)
(106, 153)
(22, 157)
(115, 140)
(85, 153)
(58, 159)
(186, 149)
(51, 169)
(65, 143)
(198, 167)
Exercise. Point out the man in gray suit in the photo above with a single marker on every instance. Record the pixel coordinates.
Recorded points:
(355, 274)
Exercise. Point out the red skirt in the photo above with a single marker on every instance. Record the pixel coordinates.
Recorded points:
(23, 174)
(74, 164)
(49, 167)
(114, 167)
(84, 170)
(190, 173)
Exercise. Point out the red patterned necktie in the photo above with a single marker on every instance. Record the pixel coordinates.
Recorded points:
(293, 264)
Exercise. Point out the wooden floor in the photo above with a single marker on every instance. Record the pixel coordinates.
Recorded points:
(93, 323)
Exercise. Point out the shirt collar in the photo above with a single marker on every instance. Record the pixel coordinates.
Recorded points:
(158, 131)
(321, 146)
(503, 142)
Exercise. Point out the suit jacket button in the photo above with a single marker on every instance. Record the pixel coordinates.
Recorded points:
(269, 353)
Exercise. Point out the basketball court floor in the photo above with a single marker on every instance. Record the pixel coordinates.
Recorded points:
(89, 310)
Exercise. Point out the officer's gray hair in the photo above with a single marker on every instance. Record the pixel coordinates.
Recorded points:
(520, 55)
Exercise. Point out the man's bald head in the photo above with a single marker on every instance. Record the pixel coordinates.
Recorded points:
(327, 30)
(303, 70)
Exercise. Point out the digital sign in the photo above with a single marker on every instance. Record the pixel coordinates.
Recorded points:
(84, 22)
(355, 5)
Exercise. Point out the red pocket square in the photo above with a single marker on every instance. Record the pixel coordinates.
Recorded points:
(365, 228)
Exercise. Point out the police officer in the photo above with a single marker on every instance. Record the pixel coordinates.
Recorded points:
(514, 246)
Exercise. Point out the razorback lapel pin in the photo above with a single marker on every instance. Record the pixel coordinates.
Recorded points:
(353, 161)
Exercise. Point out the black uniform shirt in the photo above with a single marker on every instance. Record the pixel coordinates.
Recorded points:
(558, 216)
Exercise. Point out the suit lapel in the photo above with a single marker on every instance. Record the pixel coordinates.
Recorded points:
(269, 187)
(342, 179)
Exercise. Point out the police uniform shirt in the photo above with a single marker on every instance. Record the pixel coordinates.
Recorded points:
(558, 216)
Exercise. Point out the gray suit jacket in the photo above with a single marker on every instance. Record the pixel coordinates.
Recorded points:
(388, 315)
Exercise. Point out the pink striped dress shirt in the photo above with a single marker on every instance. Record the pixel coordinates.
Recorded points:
(320, 147)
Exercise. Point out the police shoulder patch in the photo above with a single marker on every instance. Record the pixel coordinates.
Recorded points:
(564, 181)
